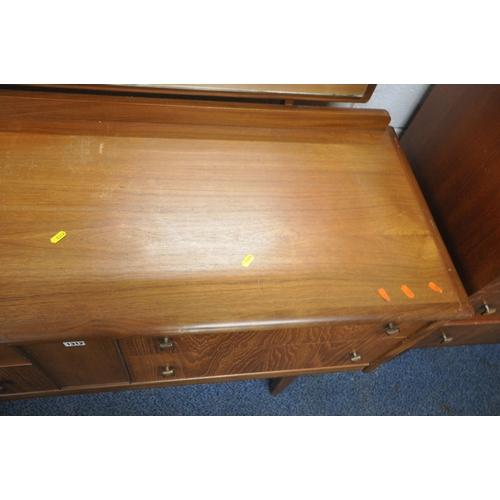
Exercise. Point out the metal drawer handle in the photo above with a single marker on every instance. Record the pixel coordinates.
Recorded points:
(487, 310)
(446, 339)
(168, 372)
(167, 344)
(355, 358)
(392, 330)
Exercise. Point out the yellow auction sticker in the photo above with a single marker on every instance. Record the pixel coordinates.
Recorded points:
(58, 237)
(248, 260)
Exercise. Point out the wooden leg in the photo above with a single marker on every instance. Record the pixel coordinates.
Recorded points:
(278, 385)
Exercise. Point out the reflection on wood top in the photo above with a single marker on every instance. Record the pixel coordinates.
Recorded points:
(158, 228)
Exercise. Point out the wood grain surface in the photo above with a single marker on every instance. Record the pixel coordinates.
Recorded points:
(157, 227)
(210, 343)
(264, 359)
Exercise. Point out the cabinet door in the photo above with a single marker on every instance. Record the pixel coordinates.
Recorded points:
(91, 363)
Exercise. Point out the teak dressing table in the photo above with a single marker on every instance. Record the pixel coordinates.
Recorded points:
(151, 238)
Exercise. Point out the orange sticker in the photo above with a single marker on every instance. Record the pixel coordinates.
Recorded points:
(384, 295)
(407, 292)
(434, 287)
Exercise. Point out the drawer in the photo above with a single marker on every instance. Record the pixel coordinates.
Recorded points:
(23, 379)
(462, 335)
(10, 356)
(486, 302)
(218, 362)
(209, 343)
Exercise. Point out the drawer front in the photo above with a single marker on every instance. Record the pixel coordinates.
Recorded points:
(462, 335)
(210, 343)
(212, 362)
(487, 301)
(23, 379)
(94, 363)
(10, 357)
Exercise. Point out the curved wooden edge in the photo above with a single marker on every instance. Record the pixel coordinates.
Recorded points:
(475, 321)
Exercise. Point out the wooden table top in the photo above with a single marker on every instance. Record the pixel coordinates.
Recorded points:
(157, 230)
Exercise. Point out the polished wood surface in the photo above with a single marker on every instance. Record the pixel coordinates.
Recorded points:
(453, 146)
(303, 92)
(157, 229)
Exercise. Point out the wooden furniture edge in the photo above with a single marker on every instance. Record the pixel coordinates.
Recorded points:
(126, 90)
(19, 106)
(475, 321)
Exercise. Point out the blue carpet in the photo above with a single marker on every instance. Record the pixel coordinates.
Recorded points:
(449, 381)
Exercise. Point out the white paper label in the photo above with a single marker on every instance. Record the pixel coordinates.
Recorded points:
(74, 344)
